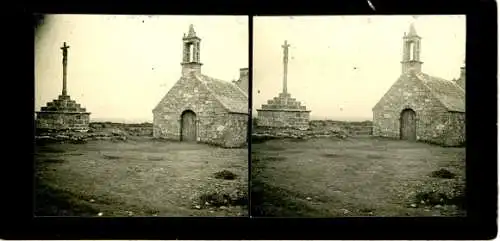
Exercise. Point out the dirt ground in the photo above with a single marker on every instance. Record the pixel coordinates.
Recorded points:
(357, 176)
(140, 177)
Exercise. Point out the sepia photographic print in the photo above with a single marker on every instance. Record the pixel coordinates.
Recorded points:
(141, 115)
(358, 116)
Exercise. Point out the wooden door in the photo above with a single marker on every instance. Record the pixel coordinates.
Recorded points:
(408, 125)
(188, 126)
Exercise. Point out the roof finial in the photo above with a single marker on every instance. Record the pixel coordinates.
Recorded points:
(412, 32)
(191, 33)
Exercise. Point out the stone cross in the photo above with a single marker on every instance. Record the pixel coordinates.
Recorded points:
(65, 63)
(285, 65)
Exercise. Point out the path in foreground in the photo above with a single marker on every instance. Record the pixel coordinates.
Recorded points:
(361, 176)
(136, 178)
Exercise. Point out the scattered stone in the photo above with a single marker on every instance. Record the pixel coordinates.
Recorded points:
(206, 203)
(91, 200)
(198, 206)
(130, 213)
(345, 211)
(438, 206)
(366, 210)
(308, 198)
(413, 205)
(443, 173)
(223, 207)
(225, 174)
(99, 214)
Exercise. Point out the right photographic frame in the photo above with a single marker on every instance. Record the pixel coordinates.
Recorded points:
(358, 116)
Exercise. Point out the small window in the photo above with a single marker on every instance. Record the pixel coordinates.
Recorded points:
(192, 58)
(412, 51)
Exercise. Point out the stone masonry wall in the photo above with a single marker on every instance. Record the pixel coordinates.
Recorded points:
(455, 126)
(235, 130)
(190, 94)
(285, 119)
(186, 94)
(283, 111)
(409, 92)
(63, 121)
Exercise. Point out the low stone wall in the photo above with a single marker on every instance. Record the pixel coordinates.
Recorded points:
(279, 133)
(63, 121)
(144, 129)
(97, 131)
(351, 128)
(317, 129)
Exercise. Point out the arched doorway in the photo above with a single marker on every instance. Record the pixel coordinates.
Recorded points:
(408, 125)
(188, 126)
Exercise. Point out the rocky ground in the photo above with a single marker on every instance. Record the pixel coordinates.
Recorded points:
(97, 131)
(318, 129)
(120, 170)
(356, 176)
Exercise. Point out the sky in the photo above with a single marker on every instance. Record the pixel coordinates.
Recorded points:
(121, 66)
(341, 66)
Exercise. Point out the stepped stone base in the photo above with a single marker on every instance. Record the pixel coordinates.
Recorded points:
(283, 111)
(63, 114)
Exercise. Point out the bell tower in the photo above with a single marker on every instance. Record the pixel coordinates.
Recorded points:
(411, 52)
(191, 53)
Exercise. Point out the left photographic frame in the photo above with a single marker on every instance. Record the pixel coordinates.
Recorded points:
(141, 115)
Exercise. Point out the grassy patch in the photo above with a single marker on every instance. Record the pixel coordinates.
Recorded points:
(155, 158)
(52, 160)
(53, 202)
(271, 201)
(136, 178)
(261, 139)
(443, 173)
(215, 199)
(331, 155)
(110, 157)
(51, 149)
(225, 174)
(374, 156)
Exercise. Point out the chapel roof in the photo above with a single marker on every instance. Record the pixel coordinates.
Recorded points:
(449, 93)
(228, 94)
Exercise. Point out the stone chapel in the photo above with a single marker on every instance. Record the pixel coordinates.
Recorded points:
(200, 108)
(63, 114)
(421, 107)
(284, 111)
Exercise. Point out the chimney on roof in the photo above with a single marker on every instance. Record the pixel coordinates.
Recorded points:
(461, 80)
(462, 72)
(243, 73)
(242, 82)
